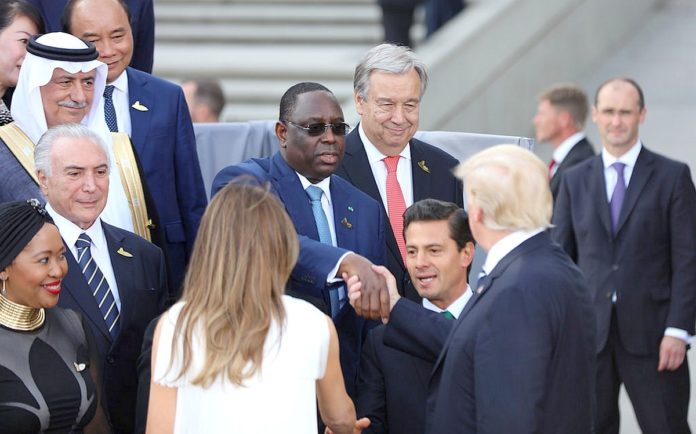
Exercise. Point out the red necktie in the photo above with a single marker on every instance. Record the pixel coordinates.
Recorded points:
(552, 164)
(395, 203)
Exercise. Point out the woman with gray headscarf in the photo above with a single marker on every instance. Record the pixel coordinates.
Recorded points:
(47, 377)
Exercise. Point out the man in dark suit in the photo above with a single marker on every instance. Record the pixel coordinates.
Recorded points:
(389, 83)
(559, 120)
(344, 235)
(126, 289)
(142, 21)
(153, 112)
(393, 385)
(520, 358)
(626, 217)
(397, 20)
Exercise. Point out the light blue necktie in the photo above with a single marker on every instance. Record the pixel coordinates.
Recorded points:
(322, 223)
(109, 110)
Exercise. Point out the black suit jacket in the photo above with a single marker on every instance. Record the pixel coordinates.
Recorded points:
(142, 288)
(392, 387)
(578, 153)
(520, 358)
(651, 261)
(432, 178)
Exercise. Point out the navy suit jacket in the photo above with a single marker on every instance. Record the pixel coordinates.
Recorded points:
(520, 358)
(163, 138)
(392, 387)
(651, 261)
(142, 288)
(142, 24)
(359, 227)
(578, 153)
(434, 180)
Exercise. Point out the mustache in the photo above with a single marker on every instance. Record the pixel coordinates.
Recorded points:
(72, 104)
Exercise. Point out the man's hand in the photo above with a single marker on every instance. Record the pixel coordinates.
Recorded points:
(360, 425)
(374, 299)
(356, 296)
(672, 352)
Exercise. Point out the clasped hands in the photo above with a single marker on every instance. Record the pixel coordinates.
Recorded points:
(371, 289)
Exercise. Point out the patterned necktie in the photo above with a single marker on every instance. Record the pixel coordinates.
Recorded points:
(395, 203)
(109, 110)
(322, 222)
(617, 197)
(447, 314)
(552, 166)
(98, 284)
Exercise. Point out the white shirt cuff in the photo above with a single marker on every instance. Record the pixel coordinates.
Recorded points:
(678, 333)
(331, 277)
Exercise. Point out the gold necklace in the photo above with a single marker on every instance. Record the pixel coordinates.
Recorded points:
(19, 317)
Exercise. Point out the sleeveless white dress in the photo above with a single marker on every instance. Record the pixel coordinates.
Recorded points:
(281, 398)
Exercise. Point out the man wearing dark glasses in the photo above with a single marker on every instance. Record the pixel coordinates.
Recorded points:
(341, 228)
(382, 157)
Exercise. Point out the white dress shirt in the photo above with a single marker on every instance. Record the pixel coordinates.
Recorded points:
(99, 249)
(379, 170)
(562, 151)
(455, 308)
(506, 245)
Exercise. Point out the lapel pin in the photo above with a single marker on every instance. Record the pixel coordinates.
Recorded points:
(423, 167)
(122, 252)
(141, 108)
(346, 223)
(350, 208)
(79, 367)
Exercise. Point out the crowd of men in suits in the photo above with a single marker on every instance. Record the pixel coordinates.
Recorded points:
(583, 289)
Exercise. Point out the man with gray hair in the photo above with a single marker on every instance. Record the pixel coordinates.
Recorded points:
(383, 159)
(116, 279)
(559, 120)
(520, 358)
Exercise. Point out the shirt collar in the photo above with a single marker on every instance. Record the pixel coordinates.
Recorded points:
(121, 82)
(374, 155)
(69, 231)
(564, 148)
(324, 184)
(629, 158)
(505, 246)
(455, 308)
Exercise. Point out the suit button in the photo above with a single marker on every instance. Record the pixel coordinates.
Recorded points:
(110, 360)
(615, 267)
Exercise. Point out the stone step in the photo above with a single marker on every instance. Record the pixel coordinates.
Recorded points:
(270, 91)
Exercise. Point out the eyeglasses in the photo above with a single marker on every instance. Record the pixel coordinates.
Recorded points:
(317, 129)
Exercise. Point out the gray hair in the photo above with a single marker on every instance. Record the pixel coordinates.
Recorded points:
(42, 152)
(391, 58)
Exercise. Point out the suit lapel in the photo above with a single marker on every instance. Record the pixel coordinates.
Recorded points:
(123, 267)
(419, 173)
(139, 92)
(598, 192)
(639, 178)
(345, 216)
(76, 285)
(293, 196)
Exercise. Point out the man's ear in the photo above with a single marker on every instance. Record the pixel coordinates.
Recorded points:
(43, 181)
(281, 132)
(467, 254)
(359, 103)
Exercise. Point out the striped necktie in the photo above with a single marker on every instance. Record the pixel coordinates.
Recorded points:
(98, 284)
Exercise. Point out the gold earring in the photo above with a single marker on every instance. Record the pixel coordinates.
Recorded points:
(3, 286)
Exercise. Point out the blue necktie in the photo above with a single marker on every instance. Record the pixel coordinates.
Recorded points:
(322, 223)
(109, 110)
(98, 284)
(618, 195)
(481, 282)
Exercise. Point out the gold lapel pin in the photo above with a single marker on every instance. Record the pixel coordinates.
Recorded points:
(346, 223)
(79, 367)
(141, 108)
(423, 167)
(122, 252)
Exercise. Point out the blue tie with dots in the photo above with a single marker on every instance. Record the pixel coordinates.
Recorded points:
(96, 281)
(109, 110)
(322, 223)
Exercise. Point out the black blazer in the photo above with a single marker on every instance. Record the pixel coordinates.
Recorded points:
(650, 263)
(142, 288)
(520, 358)
(578, 153)
(432, 178)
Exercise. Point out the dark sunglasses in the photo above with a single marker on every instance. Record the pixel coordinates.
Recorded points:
(317, 129)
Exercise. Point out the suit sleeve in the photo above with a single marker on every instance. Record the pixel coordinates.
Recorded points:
(143, 36)
(682, 229)
(416, 330)
(371, 399)
(562, 231)
(189, 181)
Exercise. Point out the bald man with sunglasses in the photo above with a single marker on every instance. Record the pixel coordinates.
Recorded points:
(341, 229)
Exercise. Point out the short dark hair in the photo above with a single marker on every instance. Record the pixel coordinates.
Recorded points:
(66, 18)
(289, 98)
(10, 9)
(632, 82)
(436, 210)
(210, 94)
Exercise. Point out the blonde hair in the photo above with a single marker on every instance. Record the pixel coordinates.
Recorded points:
(511, 186)
(244, 252)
